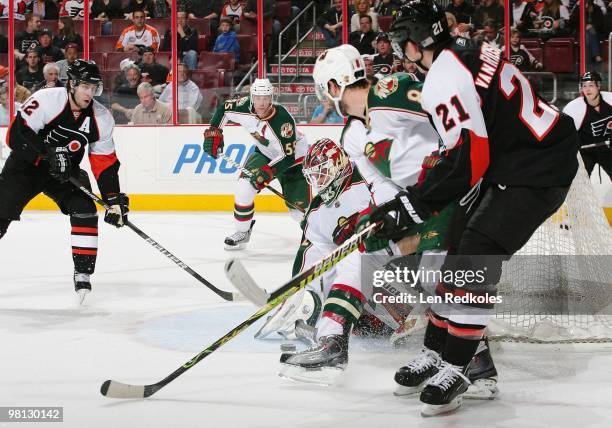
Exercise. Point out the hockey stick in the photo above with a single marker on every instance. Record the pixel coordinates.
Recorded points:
(114, 389)
(248, 173)
(223, 294)
(242, 280)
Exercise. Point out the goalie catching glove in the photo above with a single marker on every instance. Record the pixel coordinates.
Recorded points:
(116, 214)
(213, 141)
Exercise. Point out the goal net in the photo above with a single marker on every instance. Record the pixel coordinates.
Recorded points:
(558, 287)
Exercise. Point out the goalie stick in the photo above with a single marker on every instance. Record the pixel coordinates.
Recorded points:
(221, 293)
(242, 280)
(114, 389)
(248, 173)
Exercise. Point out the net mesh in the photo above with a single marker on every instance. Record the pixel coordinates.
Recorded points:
(550, 297)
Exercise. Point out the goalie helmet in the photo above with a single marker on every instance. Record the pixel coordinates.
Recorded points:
(326, 167)
(82, 71)
(342, 64)
(590, 76)
(423, 22)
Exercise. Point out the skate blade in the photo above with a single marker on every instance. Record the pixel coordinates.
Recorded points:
(434, 409)
(81, 295)
(324, 376)
(482, 389)
(402, 390)
(234, 247)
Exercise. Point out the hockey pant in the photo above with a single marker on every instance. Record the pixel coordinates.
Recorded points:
(293, 184)
(20, 182)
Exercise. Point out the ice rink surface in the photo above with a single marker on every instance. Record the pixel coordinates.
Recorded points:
(146, 317)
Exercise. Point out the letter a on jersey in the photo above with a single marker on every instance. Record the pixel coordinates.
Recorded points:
(85, 126)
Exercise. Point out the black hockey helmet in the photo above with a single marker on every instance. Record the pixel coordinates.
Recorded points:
(423, 22)
(590, 76)
(82, 71)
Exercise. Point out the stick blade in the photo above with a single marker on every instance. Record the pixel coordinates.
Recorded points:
(246, 285)
(114, 389)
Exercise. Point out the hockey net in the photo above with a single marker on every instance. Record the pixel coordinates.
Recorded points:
(558, 287)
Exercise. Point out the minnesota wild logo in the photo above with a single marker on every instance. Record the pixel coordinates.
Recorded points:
(378, 153)
(241, 101)
(386, 86)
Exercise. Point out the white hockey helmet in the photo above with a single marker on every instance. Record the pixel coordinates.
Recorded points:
(261, 87)
(342, 64)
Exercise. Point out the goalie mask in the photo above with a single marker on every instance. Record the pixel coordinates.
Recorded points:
(326, 168)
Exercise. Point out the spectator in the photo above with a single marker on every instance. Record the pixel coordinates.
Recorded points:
(3, 44)
(51, 76)
(187, 41)
(297, 6)
(159, 8)
(522, 15)
(150, 111)
(387, 7)
(138, 35)
(453, 27)
(369, 69)
(48, 53)
(208, 9)
(325, 113)
(365, 38)
(149, 65)
(227, 40)
(67, 34)
(46, 9)
(463, 11)
(70, 53)
(133, 6)
(521, 57)
(72, 8)
(411, 67)
(106, 11)
(330, 24)
(553, 17)
(384, 62)
(595, 30)
(232, 10)
(488, 10)
(5, 111)
(27, 39)
(125, 96)
(189, 95)
(31, 73)
(362, 7)
(269, 8)
(491, 35)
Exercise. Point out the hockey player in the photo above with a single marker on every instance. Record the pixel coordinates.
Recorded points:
(511, 158)
(277, 154)
(592, 114)
(48, 139)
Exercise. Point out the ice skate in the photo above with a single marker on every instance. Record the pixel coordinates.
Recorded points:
(482, 374)
(413, 376)
(321, 364)
(443, 392)
(238, 240)
(82, 286)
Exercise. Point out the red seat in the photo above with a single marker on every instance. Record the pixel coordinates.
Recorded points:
(203, 43)
(4, 27)
(248, 26)
(19, 26)
(559, 55)
(531, 43)
(216, 61)
(283, 11)
(4, 60)
(202, 25)
(205, 79)
(102, 43)
(99, 58)
(119, 25)
(95, 27)
(384, 22)
(113, 59)
(160, 24)
(163, 59)
(248, 48)
(50, 24)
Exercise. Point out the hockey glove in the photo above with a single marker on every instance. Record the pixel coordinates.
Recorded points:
(374, 242)
(261, 177)
(213, 141)
(345, 229)
(400, 215)
(116, 214)
(59, 163)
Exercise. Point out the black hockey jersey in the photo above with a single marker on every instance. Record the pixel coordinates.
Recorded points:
(593, 126)
(493, 125)
(46, 120)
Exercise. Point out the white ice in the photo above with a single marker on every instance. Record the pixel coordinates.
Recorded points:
(146, 317)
